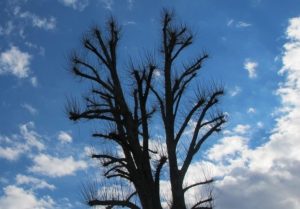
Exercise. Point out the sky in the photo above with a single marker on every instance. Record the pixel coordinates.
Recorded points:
(254, 48)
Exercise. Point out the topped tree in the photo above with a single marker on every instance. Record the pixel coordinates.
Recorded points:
(139, 165)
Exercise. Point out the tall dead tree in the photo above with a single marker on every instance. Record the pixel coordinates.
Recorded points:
(129, 116)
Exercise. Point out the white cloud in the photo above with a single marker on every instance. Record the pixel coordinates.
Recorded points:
(39, 22)
(56, 167)
(107, 4)
(29, 108)
(40, 49)
(251, 110)
(255, 177)
(75, 4)
(16, 197)
(251, 66)
(260, 124)
(64, 137)
(230, 22)
(241, 129)
(12, 147)
(15, 62)
(129, 23)
(33, 182)
(238, 24)
(293, 31)
(227, 147)
(10, 153)
(34, 81)
(32, 138)
(235, 91)
(241, 24)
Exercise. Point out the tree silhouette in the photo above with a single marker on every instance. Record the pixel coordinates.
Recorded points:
(156, 88)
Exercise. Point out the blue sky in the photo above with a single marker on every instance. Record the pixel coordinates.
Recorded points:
(254, 48)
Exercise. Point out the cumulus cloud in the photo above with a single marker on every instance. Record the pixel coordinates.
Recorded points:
(14, 61)
(56, 167)
(251, 67)
(266, 176)
(227, 147)
(64, 137)
(16, 197)
(11, 153)
(12, 147)
(33, 182)
(75, 4)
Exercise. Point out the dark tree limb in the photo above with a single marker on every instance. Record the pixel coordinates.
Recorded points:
(121, 203)
(198, 184)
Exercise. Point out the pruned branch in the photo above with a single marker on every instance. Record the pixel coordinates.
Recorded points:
(128, 112)
(122, 203)
(199, 203)
(198, 184)
(160, 164)
(215, 125)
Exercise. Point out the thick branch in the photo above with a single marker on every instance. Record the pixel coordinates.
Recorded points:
(197, 205)
(161, 163)
(122, 203)
(188, 118)
(91, 114)
(197, 184)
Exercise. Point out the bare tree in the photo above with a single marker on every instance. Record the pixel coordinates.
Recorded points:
(128, 115)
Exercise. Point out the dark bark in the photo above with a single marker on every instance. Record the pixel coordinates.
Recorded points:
(130, 121)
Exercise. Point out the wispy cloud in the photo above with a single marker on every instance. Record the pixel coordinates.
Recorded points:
(130, 4)
(251, 67)
(79, 5)
(11, 148)
(34, 81)
(29, 108)
(235, 91)
(36, 21)
(7, 28)
(108, 4)
(40, 49)
(129, 23)
(33, 139)
(14, 61)
(239, 129)
(238, 24)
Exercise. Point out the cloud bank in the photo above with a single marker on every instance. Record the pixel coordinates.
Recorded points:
(266, 176)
